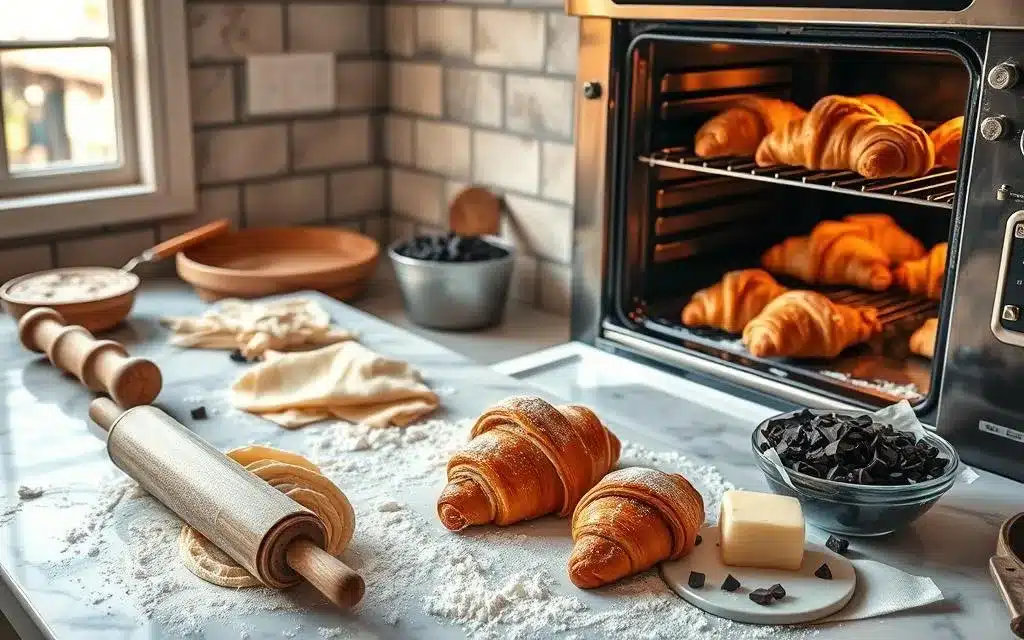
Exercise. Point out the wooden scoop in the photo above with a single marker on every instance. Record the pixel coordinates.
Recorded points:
(1007, 568)
(475, 212)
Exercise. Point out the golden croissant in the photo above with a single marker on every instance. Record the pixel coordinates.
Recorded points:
(633, 519)
(739, 129)
(806, 324)
(733, 301)
(526, 458)
(881, 229)
(886, 107)
(946, 138)
(924, 277)
(849, 134)
(834, 253)
(922, 341)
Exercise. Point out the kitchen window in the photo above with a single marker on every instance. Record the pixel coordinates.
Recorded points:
(95, 114)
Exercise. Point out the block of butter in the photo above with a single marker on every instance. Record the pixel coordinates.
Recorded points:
(761, 530)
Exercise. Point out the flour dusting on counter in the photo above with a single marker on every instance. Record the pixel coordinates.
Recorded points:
(490, 582)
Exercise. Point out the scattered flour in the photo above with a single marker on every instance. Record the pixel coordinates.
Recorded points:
(29, 493)
(488, 582)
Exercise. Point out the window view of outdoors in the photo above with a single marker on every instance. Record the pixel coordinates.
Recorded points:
(57, 102)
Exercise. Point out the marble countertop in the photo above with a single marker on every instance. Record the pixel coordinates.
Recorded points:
(45, 441)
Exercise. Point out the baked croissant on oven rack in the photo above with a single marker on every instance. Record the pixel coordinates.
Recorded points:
(924, 277)
(886, 107)
(849, 134)
(881, 229)
(740, 128)
(733, 301)
(833, 253)
(946, 137)
(922, 341)
(525, 458)
(806, 324)
(631, 520)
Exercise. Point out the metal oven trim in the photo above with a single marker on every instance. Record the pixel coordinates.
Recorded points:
(1009, 337)
(982, 14)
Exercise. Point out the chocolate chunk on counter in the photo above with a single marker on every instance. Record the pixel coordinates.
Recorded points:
(696, 580)
(199, 413)
(852, 449)
(237, 356)
(762, 597)
(778, 591)
(730, 583)
(699, 540)
(824, 572)
(839, 545)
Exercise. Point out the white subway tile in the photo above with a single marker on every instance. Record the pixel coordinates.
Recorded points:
(558, 171)
(510, 39)
(107, 250)
(361, 84)
(212, 92)
(231, 31)
(563, 43)
(290, 201)
(400, 36)
(539, 105)
(445, 32)
(398, 139)
(442, 148)
(417, 196)
(539, 228)
(474, 96)
(357, 192)
(243, 152)
(508, 161)
(341, 28)
(334, 142)
(416, 88)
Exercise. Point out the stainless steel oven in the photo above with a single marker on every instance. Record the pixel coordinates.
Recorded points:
(655, 223)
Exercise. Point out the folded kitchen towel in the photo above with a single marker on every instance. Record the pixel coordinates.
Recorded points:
(344, 380)
(882, 589)
(255, 327)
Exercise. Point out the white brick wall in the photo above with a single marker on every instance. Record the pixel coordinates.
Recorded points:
(506, 161)
(442, 148)
(341, 28)
(230, 31)
(445, 32)
(243, 152)
(334, 142)
(284, 202)
(416, 88)
(510, 39)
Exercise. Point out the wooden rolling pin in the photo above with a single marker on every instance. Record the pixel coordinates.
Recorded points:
(103, 366)
(272, 536)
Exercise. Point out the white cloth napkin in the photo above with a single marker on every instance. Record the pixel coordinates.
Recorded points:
(882, 590)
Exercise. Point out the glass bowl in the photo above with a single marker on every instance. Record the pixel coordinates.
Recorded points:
(856, 509)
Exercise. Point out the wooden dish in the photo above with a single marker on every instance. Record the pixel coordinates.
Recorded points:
(259, 262)
(94, 311)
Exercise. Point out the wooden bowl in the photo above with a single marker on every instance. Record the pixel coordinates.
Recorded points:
(95, 310)
(258, 262)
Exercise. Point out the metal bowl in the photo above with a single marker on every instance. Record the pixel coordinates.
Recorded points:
(857, 509)
(454, 295)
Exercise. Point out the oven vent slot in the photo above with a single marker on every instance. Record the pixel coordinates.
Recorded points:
(936, 189)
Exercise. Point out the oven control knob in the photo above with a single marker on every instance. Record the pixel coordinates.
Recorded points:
(1003, 76)
(994, 128)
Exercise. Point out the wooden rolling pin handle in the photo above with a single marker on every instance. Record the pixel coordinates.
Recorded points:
(1009, 576)
(331, 577)
(101, 365)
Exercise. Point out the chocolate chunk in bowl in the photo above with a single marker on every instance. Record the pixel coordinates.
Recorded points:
(853, 475)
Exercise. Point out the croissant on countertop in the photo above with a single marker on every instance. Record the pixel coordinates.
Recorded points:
(886, 107)
(834, 253)
(631, 520)
(924, 276)
(849, 134)
(740, 128)
(881, 229)
(733, 301)
(922, 341)
(946, 137)
(806, 324)
(526, 458)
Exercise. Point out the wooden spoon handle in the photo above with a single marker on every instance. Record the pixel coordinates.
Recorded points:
(188, 239)
(331, 577)
(1009, 575)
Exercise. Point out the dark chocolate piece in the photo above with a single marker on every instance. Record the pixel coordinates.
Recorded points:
(762, 597)
(199, 413)
(778, 591)
(730, 584)
(237, 356)
(450, 248)
(839, 545)
(696, 580)
(824, 572)
(699, 540)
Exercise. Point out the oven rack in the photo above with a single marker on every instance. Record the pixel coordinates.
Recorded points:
(935, 189)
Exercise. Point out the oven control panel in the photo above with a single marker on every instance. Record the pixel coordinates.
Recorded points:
(1008, 311)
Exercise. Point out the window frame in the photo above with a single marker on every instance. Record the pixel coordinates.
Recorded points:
(157, 177)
